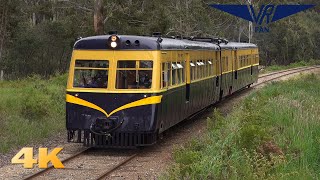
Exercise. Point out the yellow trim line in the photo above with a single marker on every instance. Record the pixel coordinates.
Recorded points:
(146, 101)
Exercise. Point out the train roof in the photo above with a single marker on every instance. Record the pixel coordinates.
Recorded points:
(128, 42)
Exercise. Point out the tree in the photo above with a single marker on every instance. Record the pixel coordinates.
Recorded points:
(36, 36)
(98, 17)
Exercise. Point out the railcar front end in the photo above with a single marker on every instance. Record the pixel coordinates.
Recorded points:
(111, 99)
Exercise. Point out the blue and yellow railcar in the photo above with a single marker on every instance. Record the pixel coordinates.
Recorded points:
(124, 91)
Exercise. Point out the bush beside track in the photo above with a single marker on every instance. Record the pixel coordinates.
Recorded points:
(272, 134)
(30, 110)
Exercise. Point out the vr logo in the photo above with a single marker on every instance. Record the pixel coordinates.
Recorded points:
(265, 12)
(269, 13)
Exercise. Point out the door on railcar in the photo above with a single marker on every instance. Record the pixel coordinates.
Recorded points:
(188, 79)
(235, 70)
(252, 62)
(218, 73)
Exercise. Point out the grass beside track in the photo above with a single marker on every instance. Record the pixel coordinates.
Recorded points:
(275, 68)
(30, 110)
(272, 134)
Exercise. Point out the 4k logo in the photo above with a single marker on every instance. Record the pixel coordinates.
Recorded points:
(43, 159)
(267, 13)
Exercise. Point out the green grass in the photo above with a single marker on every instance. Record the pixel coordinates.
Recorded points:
(272, 134)
(31, 110)
(273, 68)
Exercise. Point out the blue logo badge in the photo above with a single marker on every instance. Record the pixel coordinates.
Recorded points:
(267, 13)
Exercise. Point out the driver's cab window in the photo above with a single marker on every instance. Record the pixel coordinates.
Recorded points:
(133, 74)
(91, 74)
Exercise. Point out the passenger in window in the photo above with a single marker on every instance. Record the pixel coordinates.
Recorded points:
(145, 81)
(101, 79)
(92, 83)
(83, 81)
(105, 81)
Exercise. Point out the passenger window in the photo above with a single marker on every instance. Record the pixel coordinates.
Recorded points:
(164, 76)
(146, 64)
(203, 66)
(126, 64)
(92, 64)
(131, 76)
(199, 69)
(241, 61)
(179, 73)
(217, 69)
(223, 64)
(227, 63)
(183, 65)
(169, 73)
(174, 73)
(192, 70)
(210, 68)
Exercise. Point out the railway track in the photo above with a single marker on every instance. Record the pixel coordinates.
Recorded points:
(286, 70)
(113, 163)
(118, 161)
(281, 74)
(106, 173)
(37, 174)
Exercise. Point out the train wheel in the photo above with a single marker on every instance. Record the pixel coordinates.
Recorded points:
(160, 136)
(230, 90)
(220, 95)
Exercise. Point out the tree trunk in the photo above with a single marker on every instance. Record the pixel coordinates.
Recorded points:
(98, 17)
(54, 13)
(34, 19)
(3, 31)
(240, 32)
(1, 75)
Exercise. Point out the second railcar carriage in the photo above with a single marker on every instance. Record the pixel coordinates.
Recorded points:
(123, 91)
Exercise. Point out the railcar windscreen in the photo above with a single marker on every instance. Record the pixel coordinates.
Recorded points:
(132, 74)
(91, 74)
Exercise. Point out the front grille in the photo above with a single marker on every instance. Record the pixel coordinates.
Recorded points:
(115, 140)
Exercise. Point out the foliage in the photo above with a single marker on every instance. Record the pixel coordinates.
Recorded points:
(272, 134)
(36, 36)
(30, 109)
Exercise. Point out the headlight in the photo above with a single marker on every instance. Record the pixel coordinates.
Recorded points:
(114, 44)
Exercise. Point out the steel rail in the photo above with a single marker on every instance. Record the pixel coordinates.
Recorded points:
(105, 174)
(287, 74)
(37, 174)
(282, 71)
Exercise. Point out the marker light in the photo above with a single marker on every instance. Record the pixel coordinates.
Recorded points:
(113, 38)
(113, 44)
